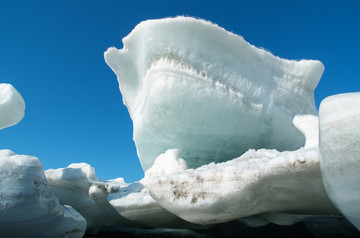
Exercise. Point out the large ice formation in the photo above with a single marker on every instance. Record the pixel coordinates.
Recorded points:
(27, 206)
(340, 152)
(133, 202)
(78, 186)
(12, 106)
(286, 184)
(191, 85)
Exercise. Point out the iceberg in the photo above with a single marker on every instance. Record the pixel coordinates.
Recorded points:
(190, 84)
(27, 206)
(281, 187)
(12, 106)
(340, 152)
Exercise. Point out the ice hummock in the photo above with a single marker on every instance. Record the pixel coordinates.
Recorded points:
(279, 187)
(190, 84)
(78, 186)
(12, 106)
(340, 152)
(27, 206)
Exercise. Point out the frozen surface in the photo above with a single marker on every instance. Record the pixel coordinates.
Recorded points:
(12, 106)
(191, 85)
(309, 126)
(78, 186)
(134, 202)
(340, 152)
(167, 163)
(27, 206)
(262, 181)
(287, 186)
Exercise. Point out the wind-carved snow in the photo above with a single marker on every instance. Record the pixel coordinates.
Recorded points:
(12, 106)
(27, 206)
(191, 85)
(340, 152)
(286, 184)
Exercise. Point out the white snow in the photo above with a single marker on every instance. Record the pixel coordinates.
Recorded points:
(340, 152)
(27, 206)
(12, 106)
(78, 186)
(191, 85)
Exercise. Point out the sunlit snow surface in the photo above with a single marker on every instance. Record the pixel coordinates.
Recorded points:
(340, 152)
(191, 85)
(12, 106)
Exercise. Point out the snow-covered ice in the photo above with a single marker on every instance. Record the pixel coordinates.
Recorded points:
(12, 106)
(191, 85)
(27, 206)
(258, 182)
(78, 186)
(133, 202)
(340, 152)
(167, 163)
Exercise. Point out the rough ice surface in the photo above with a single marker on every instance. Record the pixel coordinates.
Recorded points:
(12, 106)
(167, 163)
(133, 202)
(78, 186)
(27, 206)
(191, 85)
(286, 184)
(340, 152)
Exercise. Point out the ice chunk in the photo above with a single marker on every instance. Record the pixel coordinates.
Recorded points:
(167, 163)
(134, 202)
(258, 182)
(78, 186)
(309, 126)
(27, 206)
(190, 84)
(12, 106)
(340, 152)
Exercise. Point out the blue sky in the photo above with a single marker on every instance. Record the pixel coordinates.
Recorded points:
(52, 53)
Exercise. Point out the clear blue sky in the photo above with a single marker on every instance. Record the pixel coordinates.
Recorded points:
(52, 53)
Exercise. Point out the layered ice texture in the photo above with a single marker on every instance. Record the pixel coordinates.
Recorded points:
(12, 106)
(280, 187)
(191, 85)
(27, 206)
(340, 152)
